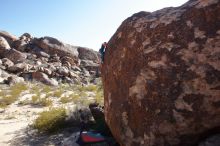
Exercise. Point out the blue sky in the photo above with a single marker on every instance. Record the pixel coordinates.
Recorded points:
(85, 23)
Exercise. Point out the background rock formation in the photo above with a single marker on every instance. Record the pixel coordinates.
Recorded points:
(161, 76)
(46, 60)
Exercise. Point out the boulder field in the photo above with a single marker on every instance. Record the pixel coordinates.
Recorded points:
(161, 76)
(46, 60)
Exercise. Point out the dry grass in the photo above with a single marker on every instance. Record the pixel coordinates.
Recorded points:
(50, 121)
(10, 95)
(36, 100)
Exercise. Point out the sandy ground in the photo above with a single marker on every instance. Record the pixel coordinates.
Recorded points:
(15, 129)
(14, 121)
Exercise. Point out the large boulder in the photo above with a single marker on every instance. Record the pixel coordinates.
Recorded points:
(4, 46)
(14, 80)
(9, 37)
(53, 46)
(89, 65)
(7, 62)
(42, 77)
(88, 54)
(20, 45)
(15, 56)
(161, 76)
(19, 67)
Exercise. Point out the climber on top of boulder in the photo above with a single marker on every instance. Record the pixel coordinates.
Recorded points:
(102, 51)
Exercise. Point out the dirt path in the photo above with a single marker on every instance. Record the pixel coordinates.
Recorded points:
(15, 120)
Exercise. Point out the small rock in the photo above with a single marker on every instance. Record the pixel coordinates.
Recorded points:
(7, 62)
(14, 80)
(20, 67)
(63, 71)
(42, 77)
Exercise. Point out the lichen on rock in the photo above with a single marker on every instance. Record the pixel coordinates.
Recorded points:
(162, 70)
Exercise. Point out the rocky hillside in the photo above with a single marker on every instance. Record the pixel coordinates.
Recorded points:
(161, 77)
(45, 59)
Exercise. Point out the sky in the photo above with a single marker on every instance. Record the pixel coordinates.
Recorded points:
(86, 23)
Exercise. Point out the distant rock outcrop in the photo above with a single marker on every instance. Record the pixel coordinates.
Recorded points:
(9, 37)
(88, 54)
(46, 60)
(53, 46)
(161, 76)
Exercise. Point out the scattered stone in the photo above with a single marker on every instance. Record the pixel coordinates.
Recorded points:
(7, 62)
(63, 71)
(14, 80)
(71, 61)
(19, 67)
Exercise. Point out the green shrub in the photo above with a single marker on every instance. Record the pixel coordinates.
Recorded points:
(7, 100)
(36, 100)
(46, 89)
(50, 121)
(91, 88)
(16, 89)
(99, 97)
(58, 92)
(10, 95)
(65, 99)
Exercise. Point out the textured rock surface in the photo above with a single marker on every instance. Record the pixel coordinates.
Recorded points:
(53, 46)
(42, 77)
(161, 76)
(15, 55)
(4, 46)
(56, 61)
(88, 54)
(9, 37)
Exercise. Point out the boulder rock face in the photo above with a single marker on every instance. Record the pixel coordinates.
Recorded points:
(39, 76)
(53, 46)
(161, 76)
(15, 55)
(4, 46)
(46, 60)
(9, 37)
(88, 54)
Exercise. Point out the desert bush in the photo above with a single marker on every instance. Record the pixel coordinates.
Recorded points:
(90, 88)
(11, 94)
(46, 88)
(36, 100)
(50, 121)
(58, 92)
(65, 99)
(99, 97)
(6, 100)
